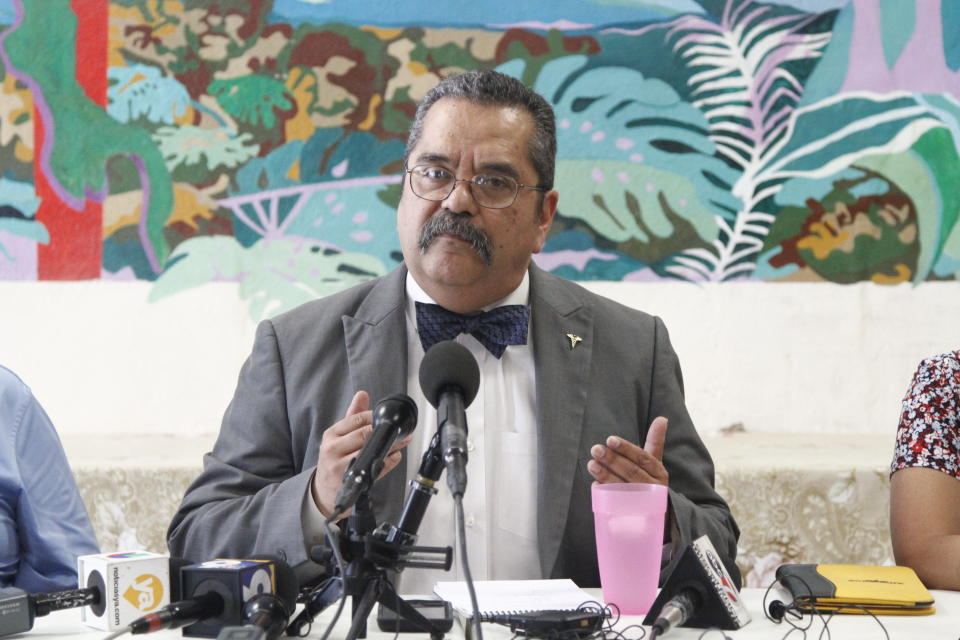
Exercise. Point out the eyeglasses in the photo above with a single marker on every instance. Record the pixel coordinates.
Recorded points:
(435, 183)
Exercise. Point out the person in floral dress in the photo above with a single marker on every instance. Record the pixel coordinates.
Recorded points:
(925, 475)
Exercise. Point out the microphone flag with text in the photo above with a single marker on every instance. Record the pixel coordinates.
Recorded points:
(450, 378)
(698, 593)
(394, 417)
(114, 588)
(215, 593)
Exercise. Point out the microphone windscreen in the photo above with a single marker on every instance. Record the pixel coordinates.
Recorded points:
(397, 410)
(449, 364)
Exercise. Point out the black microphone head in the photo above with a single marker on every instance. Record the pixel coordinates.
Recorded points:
(265, 611)
(777, 610)
(449, 364)
(398, 410)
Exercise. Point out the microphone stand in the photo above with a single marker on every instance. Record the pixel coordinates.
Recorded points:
(370, 553)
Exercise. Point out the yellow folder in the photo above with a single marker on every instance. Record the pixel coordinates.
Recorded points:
(854, 588)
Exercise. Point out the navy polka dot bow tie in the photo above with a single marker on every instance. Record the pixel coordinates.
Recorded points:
(495, 329)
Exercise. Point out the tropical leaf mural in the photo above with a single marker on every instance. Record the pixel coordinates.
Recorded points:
(260, 142)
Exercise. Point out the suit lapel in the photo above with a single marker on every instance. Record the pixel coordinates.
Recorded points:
(376, 344)
(562, 370)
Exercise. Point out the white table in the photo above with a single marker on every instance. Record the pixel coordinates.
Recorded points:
(943, 625)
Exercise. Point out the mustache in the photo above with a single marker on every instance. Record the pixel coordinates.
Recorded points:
(447, 222)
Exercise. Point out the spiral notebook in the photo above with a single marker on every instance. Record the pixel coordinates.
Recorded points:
(520, 596)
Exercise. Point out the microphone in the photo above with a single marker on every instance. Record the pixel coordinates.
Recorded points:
(394, 417)
(450, 378)
(138, 581)
(421, 490)
(265, 615)
(699, 593)
(215, 593)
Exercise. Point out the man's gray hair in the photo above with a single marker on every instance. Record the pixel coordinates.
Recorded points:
(490, 88)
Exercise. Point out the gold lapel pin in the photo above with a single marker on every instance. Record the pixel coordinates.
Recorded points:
(574, 340)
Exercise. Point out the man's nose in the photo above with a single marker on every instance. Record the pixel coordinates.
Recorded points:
(461, 199)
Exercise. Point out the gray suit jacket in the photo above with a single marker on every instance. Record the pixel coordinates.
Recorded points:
(306, 365)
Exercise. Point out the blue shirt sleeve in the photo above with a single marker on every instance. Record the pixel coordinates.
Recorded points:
(43, 522)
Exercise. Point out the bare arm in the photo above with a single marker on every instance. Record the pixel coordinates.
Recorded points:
(925, 525)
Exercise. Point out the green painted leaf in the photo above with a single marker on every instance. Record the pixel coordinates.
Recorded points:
(615, 113)
(832, 134)
(274, 275)
(25, 228)
(251, 99)
(622, 201)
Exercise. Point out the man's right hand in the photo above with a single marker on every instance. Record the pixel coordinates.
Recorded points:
(340, 444)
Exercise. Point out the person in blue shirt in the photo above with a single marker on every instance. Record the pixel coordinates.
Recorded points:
(43, 523)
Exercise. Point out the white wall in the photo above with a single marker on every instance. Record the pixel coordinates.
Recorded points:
(777, 357)
(102, 359)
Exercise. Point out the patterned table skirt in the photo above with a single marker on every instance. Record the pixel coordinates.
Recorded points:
(785, 515)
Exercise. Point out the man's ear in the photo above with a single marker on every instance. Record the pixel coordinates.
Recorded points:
(548, 209)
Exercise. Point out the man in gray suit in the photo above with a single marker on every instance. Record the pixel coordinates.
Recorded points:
(588, 395)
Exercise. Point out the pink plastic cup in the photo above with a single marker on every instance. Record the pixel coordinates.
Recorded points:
(628, 521)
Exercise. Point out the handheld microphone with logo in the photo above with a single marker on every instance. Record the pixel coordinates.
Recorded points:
(450, 378)
(116, 586)
(215, 593)
(132, 583)
(699, 593)
(394, 417)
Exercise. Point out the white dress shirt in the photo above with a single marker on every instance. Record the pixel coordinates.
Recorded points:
(500, 504)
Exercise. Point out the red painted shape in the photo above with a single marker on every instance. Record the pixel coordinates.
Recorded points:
(75, 250)
(93, 19)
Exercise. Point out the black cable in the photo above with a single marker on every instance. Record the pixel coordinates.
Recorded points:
(341, 568)
(465, 563)
(872, 615)
(612, 614)
(798, 606)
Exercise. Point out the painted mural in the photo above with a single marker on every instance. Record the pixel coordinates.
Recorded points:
(183, 142)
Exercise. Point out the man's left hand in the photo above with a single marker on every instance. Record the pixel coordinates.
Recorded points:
(623, 461)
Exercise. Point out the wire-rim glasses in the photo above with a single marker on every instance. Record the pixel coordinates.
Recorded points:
(491, 191)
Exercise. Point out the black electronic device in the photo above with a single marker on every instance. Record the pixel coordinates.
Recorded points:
(439, 612)
(560, 624)
(16, 611)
